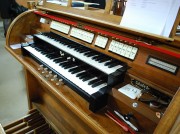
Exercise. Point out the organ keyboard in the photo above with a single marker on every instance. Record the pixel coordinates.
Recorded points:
(82, 68)
(88, 72)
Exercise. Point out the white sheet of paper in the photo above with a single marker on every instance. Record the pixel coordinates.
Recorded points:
(146, 15)
(15, 46)
(62, 3)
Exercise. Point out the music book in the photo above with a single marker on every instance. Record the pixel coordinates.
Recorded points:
(153, 16)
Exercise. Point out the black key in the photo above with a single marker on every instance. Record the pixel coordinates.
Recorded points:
(73, 46)
(69, 66)
(33, 45)
(102, 76)
(104, 59)
(113, 64)
(99, 57)
(72, 69)
(83, 51)
(54, 56)
(57, 58)
(93, 81)
(110, 62)
(97, 83)
(63, 64)
(44, 52)
(88, 77)
(80, 49)
(88, 51)
(81, 74)
(60, 59)
(95, 57)
(77, 70)
(88, 54)
(95, 72)
(77, 48)
(38, 49)
(49, 55)
(79, 65)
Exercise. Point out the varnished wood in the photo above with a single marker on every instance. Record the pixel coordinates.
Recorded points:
(176, 127)
(69, 3)
(108, 7)
(176, 23)
(24, 2)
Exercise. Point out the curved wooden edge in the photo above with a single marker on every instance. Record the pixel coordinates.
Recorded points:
(13, 23)
(172, 113)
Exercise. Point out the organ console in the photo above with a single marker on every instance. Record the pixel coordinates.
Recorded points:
(86, 74)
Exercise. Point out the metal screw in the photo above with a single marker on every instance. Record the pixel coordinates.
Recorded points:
(135, 104)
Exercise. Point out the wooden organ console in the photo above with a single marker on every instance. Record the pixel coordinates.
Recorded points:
(83, 71)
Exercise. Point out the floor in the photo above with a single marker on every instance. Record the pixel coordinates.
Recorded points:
(13, 99)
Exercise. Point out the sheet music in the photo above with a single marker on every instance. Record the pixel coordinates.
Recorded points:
(148, 15)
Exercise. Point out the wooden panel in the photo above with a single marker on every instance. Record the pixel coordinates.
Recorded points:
(71, 122)
(31, 87)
